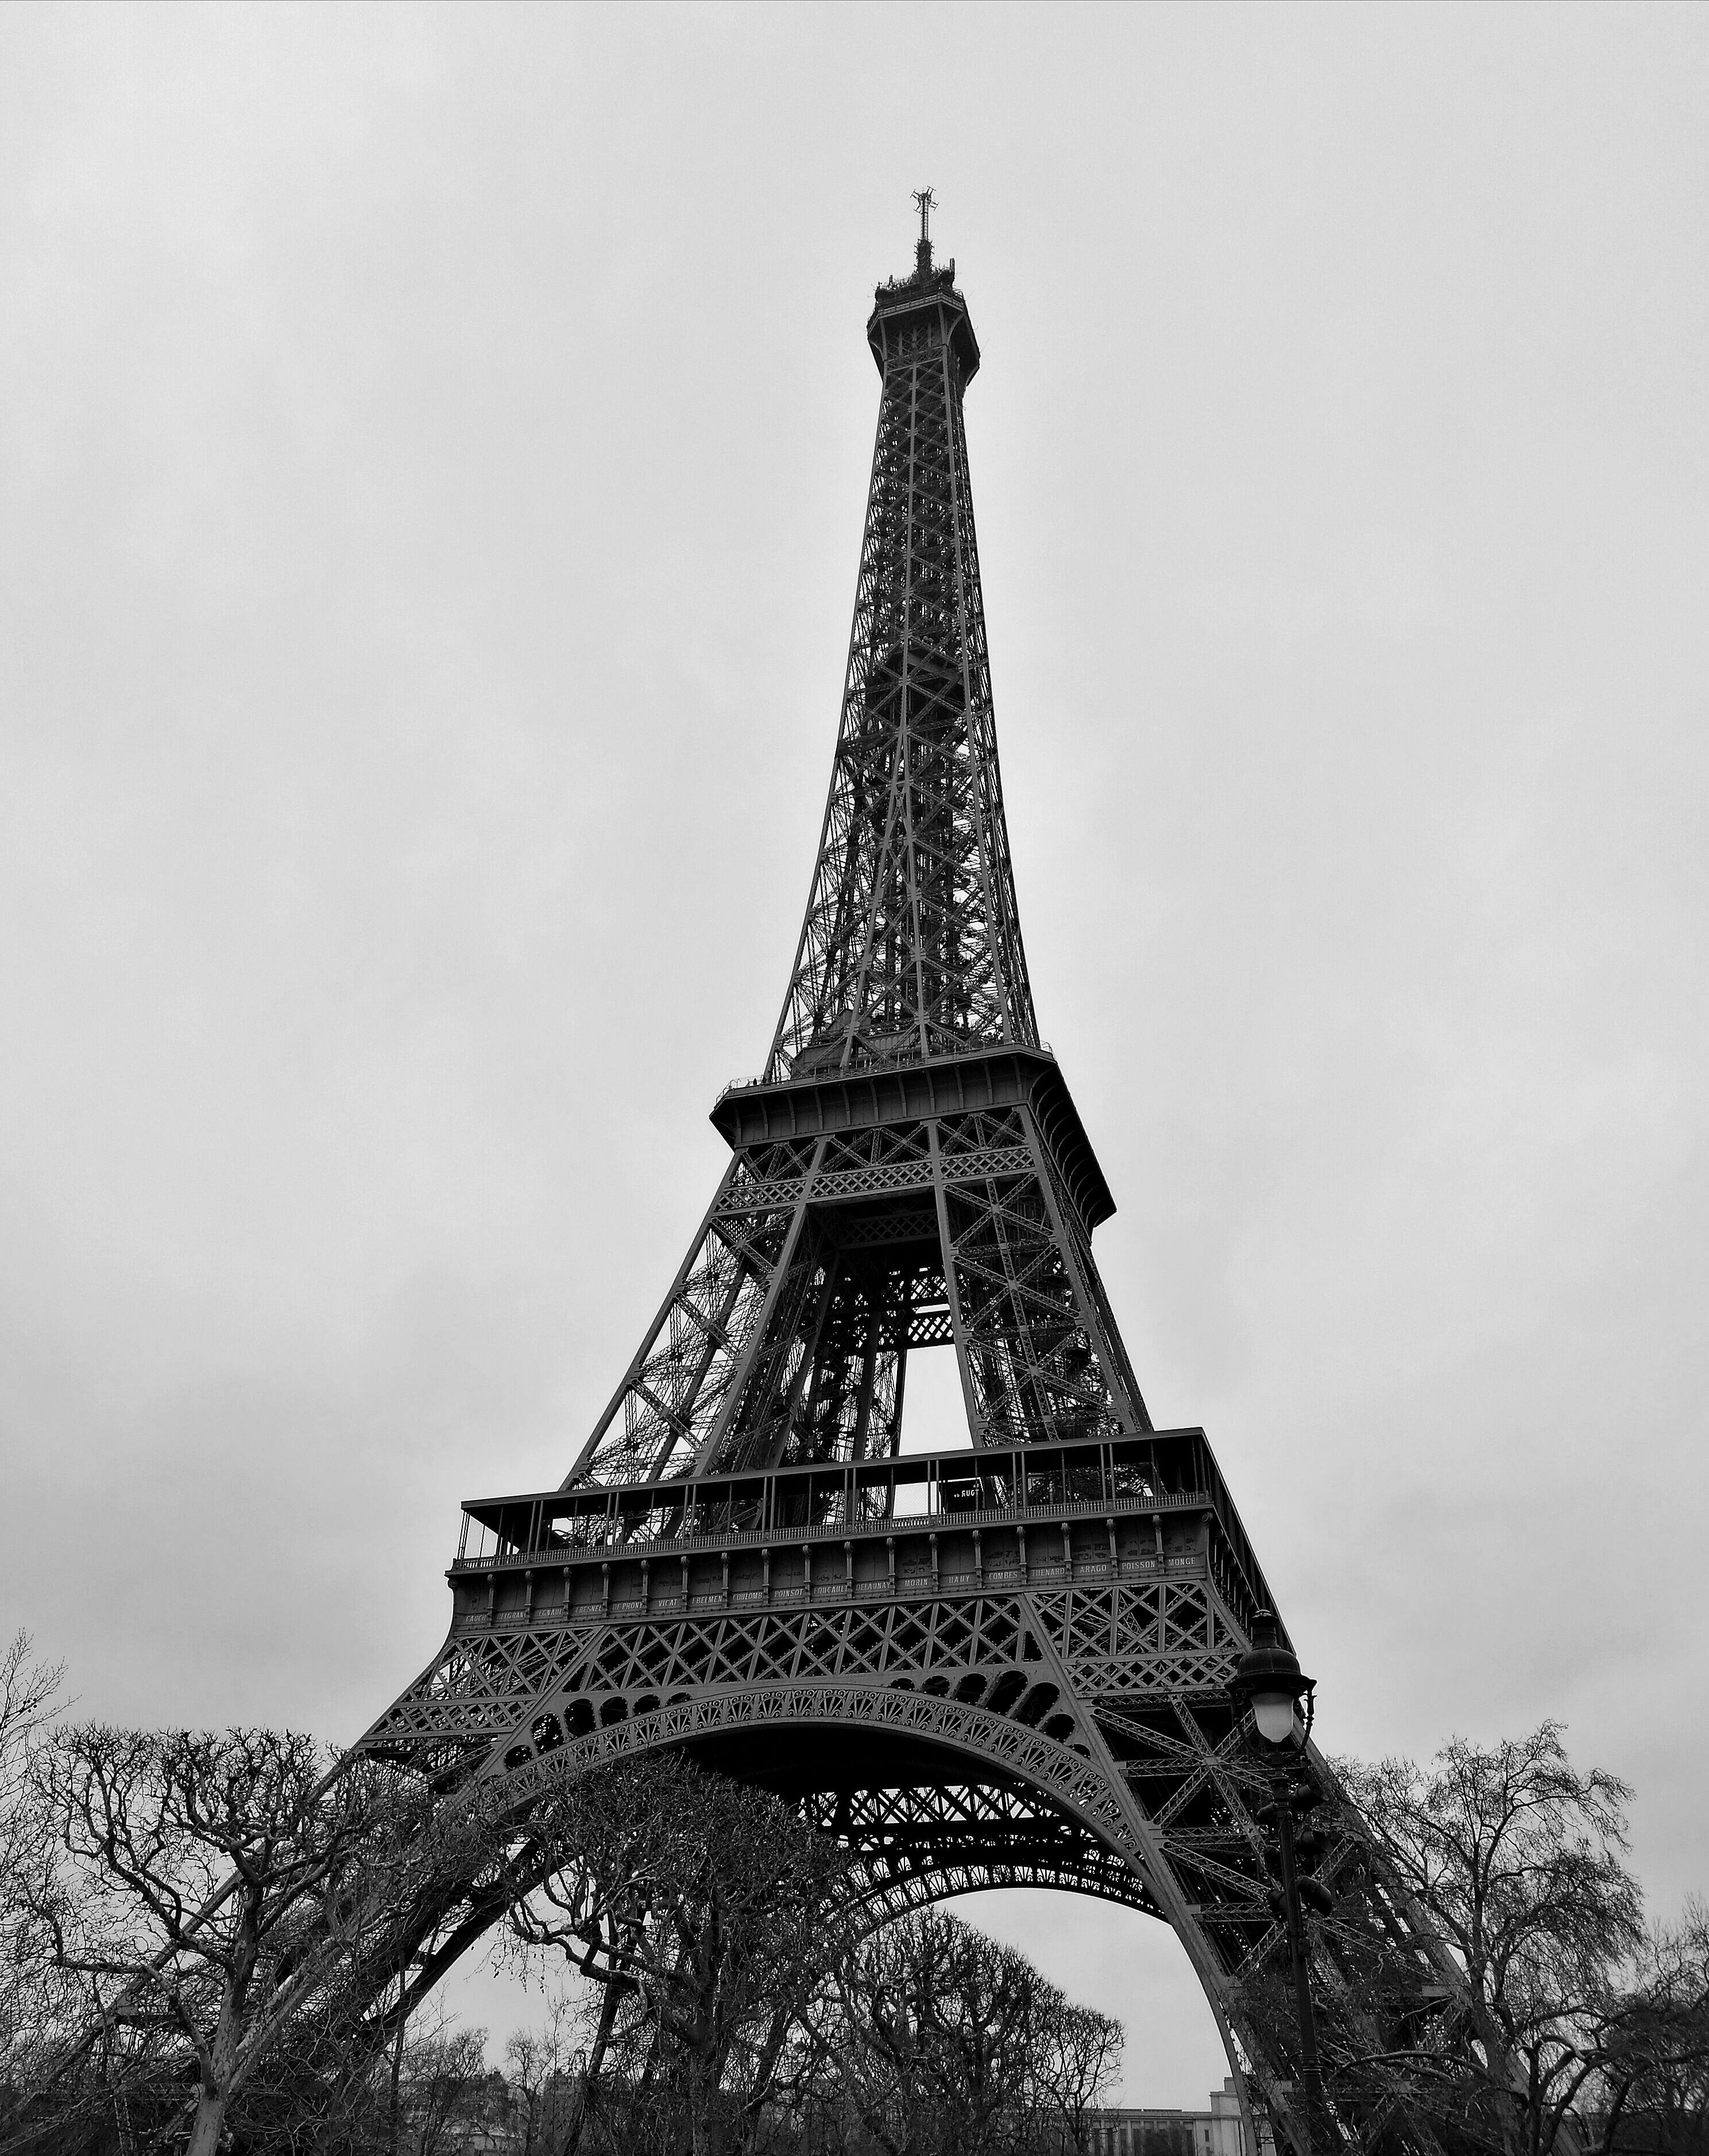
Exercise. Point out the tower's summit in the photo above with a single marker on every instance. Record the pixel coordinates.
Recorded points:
(926, 305)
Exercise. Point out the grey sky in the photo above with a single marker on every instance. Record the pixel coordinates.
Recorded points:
(433, 446)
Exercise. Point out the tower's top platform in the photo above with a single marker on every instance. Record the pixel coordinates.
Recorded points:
(927, 300)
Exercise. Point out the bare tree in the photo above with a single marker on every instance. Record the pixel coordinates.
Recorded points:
(453, 1868)
(1516, 1857)
(445, 2086)
(40, 2005)
(1082, 2057)
(309, 2094)
(204, 1885)
(1652, 2077)
(29, 1692)
(952, 2042)
(706, 1914)
(309, 2097)
(541, 2074)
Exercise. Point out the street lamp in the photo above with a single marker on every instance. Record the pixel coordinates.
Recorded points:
(1270, 1680)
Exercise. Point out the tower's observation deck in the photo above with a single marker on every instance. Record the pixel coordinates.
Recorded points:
(1144, 1510)
(909, 313)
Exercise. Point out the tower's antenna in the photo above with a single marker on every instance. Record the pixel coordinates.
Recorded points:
(925, 202)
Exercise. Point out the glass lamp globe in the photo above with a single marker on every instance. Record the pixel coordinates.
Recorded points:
(1274, 1713)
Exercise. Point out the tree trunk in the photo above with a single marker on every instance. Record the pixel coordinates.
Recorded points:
(583, 2103)
(220, 2072)
(394, 2095)
(210, 2118)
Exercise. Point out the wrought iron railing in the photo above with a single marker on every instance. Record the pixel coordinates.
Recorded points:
(897, 1062)
(794, 1534)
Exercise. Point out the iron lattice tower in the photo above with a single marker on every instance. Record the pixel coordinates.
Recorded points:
(1004, 1664)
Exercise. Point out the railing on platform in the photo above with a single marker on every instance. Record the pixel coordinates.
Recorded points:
(904, 1058)
(1165, 1471)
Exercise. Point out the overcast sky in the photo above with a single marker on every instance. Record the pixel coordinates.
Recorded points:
(432, 447)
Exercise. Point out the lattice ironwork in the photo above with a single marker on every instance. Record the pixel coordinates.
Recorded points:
(782, 1336)
(1005, 1665)
(912, 944)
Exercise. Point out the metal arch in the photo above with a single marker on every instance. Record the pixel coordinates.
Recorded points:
(1055, 1770)
(1085, 1859)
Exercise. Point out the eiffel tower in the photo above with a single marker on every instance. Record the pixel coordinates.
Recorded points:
(1002, 1665)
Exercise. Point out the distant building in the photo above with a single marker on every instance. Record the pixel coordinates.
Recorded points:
(1218, 2131)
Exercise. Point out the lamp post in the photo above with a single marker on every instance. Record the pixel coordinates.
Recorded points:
(1270, 1680)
